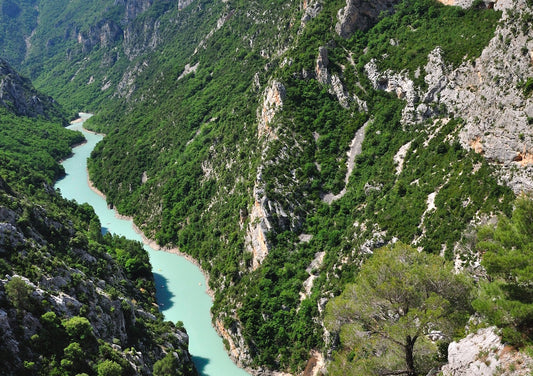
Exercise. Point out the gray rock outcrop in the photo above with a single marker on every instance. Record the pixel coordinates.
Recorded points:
(396, 83)
(483, 354)
(311, 9)
(486, 93)
(133, 8)
(18, 95)
(360, 15)
(104, 33)
(272, 104)
(334, 83)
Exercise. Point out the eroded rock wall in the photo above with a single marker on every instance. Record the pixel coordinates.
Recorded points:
(360, 15)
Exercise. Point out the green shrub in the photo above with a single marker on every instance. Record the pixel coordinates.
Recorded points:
(19, 293)
(78, 327)
(109, 368)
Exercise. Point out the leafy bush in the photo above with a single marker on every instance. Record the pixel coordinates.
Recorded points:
(109, 368)
(19, 293)
(78, 327)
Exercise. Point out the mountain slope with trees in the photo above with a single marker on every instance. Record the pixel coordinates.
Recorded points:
(280, 142)
(71, 300)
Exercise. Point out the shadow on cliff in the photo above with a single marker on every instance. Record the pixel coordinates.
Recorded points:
(200, 364)
(163, 294)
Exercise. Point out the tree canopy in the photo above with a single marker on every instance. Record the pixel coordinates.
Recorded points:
(507, 298)
(400, 298)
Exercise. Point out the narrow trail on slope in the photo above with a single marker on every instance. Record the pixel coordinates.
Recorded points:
(356, 147)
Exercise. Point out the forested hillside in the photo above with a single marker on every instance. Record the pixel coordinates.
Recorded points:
(280, 143)
(71, 300)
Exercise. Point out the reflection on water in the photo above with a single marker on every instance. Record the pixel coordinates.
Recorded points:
(164, 295)
(201, 364)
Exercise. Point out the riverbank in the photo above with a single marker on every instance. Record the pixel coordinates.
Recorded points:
(146, 240)
(217, 324)
(151, 242)
(180, 283)
(236, 353)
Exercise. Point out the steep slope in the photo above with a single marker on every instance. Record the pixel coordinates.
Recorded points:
(237, 175)
(71, 300)
(18, 96)
(87, 53)
(228, 126)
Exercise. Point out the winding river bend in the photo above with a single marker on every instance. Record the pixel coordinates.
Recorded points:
(181, 286)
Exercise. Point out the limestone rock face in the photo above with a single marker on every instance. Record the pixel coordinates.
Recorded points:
(259, 218)
(141, 37)
(487, 95)
(468, 3)
(483, 354)
(272, 104)
(238, 350)
(334, 83)
(184, 3)
(134, 7)
(19, 96)
(311, 10)
(126, 86)
(258, 228)
(392, 82)
(265, 214)
(104, 33)
(261, 222)
(360, 15)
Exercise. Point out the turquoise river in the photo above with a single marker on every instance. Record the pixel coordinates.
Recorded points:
(181, 286)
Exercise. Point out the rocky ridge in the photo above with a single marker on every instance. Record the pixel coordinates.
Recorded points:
(18, 95)
(360, 15)
(260, 218)
(334, 83)
(67, 287)
(498, 115)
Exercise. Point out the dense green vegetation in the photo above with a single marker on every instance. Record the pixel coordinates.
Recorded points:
(507, 297)
(183, 156)
(404, 40)
(30, 149)
(397, 281)
(63, 276)
(17, 21)
(199, 148)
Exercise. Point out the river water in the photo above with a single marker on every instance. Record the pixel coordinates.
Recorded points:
(181, 286)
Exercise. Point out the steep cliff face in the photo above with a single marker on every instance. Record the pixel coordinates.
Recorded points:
(361, 15)
(487, 93)
(260, 217)
(104, 34)
(18, 95)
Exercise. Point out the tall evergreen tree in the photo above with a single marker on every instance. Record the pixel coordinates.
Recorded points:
(399, 299)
